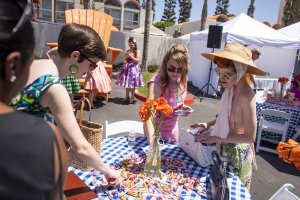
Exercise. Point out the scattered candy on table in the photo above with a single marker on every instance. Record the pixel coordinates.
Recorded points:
(174, 182)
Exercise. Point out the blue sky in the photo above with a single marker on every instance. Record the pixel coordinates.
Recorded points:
(265, 10)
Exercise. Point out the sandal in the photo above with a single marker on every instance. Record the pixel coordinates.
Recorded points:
(126, 99)
(131, 100)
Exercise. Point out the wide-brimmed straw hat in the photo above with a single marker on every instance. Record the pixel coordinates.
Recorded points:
(239, 53)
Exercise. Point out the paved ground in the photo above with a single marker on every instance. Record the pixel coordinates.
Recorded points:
(272, 172)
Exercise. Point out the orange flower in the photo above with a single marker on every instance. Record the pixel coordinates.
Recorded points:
(283, 80)
(150, 107)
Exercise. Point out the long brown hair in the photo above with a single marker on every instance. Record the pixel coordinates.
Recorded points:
(131, 39)
(180, 54)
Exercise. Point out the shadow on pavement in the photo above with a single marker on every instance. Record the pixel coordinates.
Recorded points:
(278, 163)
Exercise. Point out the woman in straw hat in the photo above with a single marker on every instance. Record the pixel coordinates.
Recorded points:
(235, 126)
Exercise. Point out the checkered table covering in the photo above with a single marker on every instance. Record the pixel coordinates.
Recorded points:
(294, 121)
(113, 149)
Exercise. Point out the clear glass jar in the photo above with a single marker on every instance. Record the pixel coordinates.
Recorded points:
(153, 160)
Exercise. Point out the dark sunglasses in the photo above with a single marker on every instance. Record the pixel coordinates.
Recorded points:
(25, 16)
(172, 69)
(93, 65)
(224, 76)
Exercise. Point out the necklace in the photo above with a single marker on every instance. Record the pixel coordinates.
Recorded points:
(178, 97)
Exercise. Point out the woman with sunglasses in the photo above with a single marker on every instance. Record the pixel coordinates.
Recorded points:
(79, 47)
(33, 156)
(130, 75)
(170, 82)
(235, 127)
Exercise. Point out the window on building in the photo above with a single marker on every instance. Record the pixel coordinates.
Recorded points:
(116, 14)
(113, 8)
(131, 20)
(131, 16)
(61, 6)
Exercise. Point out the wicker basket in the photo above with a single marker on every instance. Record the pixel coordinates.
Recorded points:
(93, 133)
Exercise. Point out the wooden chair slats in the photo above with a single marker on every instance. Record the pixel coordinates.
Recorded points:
(82, 16)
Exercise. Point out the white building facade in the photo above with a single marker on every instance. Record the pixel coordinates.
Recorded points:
(127, 16)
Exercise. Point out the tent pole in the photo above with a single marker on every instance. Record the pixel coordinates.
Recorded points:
(295, 65)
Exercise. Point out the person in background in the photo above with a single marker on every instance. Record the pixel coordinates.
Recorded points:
(79, 48)
(169, 82)
(236, 123)
(255, 55)
(130, 75)
(33, 156)
(97, 81)
(295, 87)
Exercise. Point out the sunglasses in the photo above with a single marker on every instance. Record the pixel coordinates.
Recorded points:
(224, 76)
(173, 69)
(24, 17)
(93, 65)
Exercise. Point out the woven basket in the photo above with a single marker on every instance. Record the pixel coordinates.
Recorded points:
(93, 133)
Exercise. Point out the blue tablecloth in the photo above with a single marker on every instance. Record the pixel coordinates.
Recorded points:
(113, 149)
(294, 121)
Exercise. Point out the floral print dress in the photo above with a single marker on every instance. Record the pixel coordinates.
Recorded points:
(130, 75)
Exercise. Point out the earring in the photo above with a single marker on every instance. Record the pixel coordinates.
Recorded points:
(13, 78)
(73, 69)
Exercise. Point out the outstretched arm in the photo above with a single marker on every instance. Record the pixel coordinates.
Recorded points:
(57, 99)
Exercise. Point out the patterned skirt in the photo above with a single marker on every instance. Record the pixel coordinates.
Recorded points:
(71, 84)
(239, 161)
(130, 76)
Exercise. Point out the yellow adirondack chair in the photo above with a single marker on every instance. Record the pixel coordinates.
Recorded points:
(102, 24)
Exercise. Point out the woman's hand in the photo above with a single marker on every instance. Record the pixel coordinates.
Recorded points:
(207, 139)
(186, 108)
(204, 126)
(113, 177)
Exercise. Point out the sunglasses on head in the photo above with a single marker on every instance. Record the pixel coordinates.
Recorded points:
(172, 69)
(93, 65)
(224, 76)
(25, 15)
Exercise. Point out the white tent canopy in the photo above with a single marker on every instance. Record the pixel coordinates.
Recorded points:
(278, 50)
(153, 31)
(292, 31)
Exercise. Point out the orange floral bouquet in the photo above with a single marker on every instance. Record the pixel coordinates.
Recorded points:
(148, 111)
(282, 81)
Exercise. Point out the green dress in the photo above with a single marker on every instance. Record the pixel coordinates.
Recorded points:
(239, 161)
(71, 84)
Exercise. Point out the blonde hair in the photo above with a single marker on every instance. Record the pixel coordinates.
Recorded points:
(180, 54)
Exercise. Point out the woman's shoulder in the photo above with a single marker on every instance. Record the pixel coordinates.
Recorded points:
(156, 78)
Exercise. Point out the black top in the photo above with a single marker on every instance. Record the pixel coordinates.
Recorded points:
(26, 157)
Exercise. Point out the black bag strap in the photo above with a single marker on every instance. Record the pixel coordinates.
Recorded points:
(222, 190)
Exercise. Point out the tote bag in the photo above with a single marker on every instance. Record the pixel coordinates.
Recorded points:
(91, 131)
(200, 153)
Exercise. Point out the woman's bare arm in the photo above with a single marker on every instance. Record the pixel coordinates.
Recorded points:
(58, 100)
